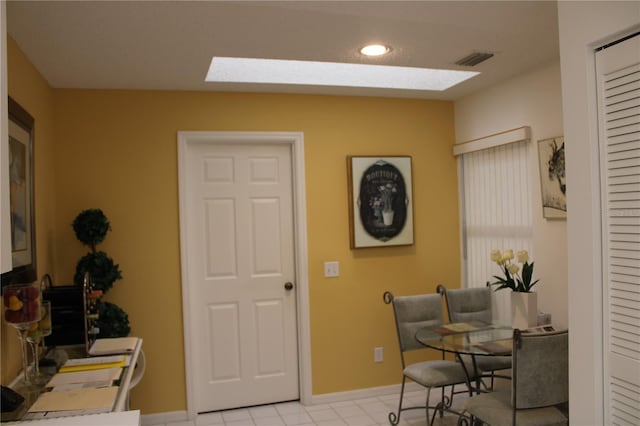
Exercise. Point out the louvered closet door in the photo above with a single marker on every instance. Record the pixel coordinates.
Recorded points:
(618, 70)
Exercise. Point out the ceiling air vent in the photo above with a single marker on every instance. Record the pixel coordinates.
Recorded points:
(474, 59)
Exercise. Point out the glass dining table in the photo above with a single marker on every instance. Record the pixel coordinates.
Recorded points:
(474, 338)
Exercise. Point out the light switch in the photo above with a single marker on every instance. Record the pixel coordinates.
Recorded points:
(331, 269)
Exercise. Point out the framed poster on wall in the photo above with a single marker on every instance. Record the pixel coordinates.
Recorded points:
(380, 201)
(21, 196)
(552, 178)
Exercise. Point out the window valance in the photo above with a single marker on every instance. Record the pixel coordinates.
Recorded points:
(503, 138)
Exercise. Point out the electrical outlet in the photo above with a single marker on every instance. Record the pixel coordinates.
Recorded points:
(378, 355)
(331, 269)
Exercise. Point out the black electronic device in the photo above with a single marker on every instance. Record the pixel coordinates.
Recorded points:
(11, 400)
(67, 315)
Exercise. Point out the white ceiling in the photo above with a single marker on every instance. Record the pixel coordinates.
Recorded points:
(168, 45)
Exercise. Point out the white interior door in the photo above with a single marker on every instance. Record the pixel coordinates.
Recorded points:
(618, 73)
(238, 254)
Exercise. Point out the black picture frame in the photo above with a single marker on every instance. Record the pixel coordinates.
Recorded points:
(380, 201)
(21, 196)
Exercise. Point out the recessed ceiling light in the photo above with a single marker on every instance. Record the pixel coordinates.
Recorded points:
(375, 50)
(275, 71)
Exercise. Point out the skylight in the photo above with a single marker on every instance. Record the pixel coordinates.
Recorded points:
(274, 71)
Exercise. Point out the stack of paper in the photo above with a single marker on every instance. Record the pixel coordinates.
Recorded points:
(80, 400)
(117, 345)
(540, 329)
(95, 363)
(458, 327)
(84, 379)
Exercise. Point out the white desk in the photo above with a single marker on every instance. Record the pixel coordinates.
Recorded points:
(120, 404)
(121, 418)
(122, 400)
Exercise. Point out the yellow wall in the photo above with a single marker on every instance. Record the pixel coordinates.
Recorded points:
(117, 150)
(32, 92)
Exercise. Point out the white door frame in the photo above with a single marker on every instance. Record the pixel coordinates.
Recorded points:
(296, 141)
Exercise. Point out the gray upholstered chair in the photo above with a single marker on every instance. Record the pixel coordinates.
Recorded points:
(412, 313)
(539, 387)
(474, 304)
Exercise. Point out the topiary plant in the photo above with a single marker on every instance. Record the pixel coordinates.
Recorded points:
(112, 321)
(101, 268)
(91, 227)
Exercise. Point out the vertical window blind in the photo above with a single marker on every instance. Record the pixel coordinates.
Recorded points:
(495, 194)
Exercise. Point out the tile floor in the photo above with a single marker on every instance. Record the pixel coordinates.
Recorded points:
(362, 412)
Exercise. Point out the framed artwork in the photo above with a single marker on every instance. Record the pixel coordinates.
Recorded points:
(552, 178)
(380, 201)
(21, 197)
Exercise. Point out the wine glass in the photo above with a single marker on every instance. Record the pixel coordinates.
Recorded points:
(37, 332)
(22, 308)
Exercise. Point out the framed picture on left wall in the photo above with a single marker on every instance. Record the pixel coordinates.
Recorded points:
(380, 201)
(21, 196)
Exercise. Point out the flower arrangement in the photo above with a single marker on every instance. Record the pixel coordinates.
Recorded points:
(519, 283)
(386, 192)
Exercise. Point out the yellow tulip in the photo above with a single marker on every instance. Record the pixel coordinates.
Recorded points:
(523, 256)
(507, 255)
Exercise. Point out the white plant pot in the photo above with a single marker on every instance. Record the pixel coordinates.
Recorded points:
(524, 310)
(387, 217)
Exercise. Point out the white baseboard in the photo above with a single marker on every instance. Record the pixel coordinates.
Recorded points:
(326, 398)
(162, 418)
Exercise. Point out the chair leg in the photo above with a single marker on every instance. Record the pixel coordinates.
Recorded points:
(445, 403)
(450, 401)
(394, 418)
(426, 406)
(469, 420)
(464, 420)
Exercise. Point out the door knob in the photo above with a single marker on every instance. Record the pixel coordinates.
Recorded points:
(288, 286)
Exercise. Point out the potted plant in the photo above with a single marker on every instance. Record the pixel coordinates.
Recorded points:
(387, 192)
(112, 320)
(524, 302)
(91, 227)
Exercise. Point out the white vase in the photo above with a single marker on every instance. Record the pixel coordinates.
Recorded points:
(387, 217)
(524, 310)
